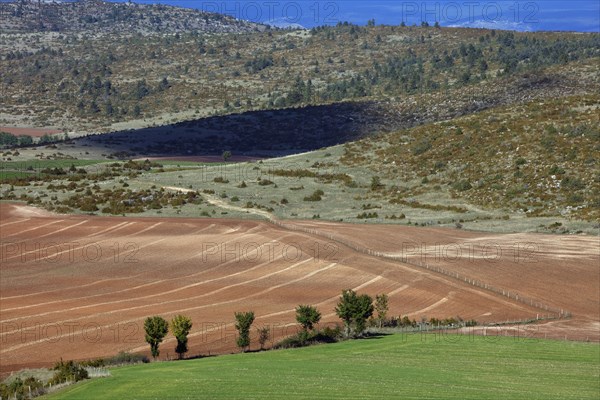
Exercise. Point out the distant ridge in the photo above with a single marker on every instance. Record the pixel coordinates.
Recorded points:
(284, 23)
(97, 16)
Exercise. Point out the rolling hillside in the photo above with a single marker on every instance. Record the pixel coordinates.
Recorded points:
(98, 17)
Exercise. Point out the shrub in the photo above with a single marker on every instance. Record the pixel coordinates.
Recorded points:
(462, 186)
(22, 389)
(263, 336)
(68, 371)
(421, 147)
(521, 161)
(265, 182)
(119, 359)
(572, 183)
(556, 170)
(316, 196)
(307, 338)
(575, 199)
(367, 215)
(376, 183)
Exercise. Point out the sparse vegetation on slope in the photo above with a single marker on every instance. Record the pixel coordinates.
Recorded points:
(133, 80)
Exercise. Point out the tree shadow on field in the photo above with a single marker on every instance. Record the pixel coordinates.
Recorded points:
(253, 134)
(197, 357)
(374, 336)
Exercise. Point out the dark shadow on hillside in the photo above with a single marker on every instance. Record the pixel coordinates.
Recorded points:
(260, 134)
(254, 133)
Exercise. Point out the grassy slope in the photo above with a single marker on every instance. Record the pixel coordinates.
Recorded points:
(398, 366)
(508, 155)
(27, 168)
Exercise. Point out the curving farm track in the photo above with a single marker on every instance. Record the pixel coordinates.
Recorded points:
(79, 287)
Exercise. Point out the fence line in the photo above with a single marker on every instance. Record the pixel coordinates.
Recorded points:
(559, 312)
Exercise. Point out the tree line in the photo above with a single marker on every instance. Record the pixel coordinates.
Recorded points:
(353, 309)
(9, 140)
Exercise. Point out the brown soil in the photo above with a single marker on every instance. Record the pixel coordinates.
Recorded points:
(80, 287)
(33, 132)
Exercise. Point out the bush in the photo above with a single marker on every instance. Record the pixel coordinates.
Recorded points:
(68, 371)
(421, 147)
(462, 186)
(22, 389)
(316, 196)
(265, 182)
(401, 216)
(572, 183)
(367, 215)
(556, 170)
(307, 338)
(376, 183)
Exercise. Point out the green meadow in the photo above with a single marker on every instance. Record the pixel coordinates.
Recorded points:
(397, 366)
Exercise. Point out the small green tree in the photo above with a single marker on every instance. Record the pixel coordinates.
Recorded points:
(263, 335)
(226, 155)
(364, 311)
(376, 183)
(156, 329)
(345, 308)
(137, 111)
(180, 327)
(307, 316)
(354, 310)
(243, 322)
(381, 306)
(25, 140)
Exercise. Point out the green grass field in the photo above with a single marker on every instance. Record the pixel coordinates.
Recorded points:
(36, 165)
(396, 366)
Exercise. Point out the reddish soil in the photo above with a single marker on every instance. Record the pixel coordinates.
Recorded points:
(560, 271)
(33, 132)
(79, 287)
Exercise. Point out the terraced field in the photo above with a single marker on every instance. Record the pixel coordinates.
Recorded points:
(79, 287)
